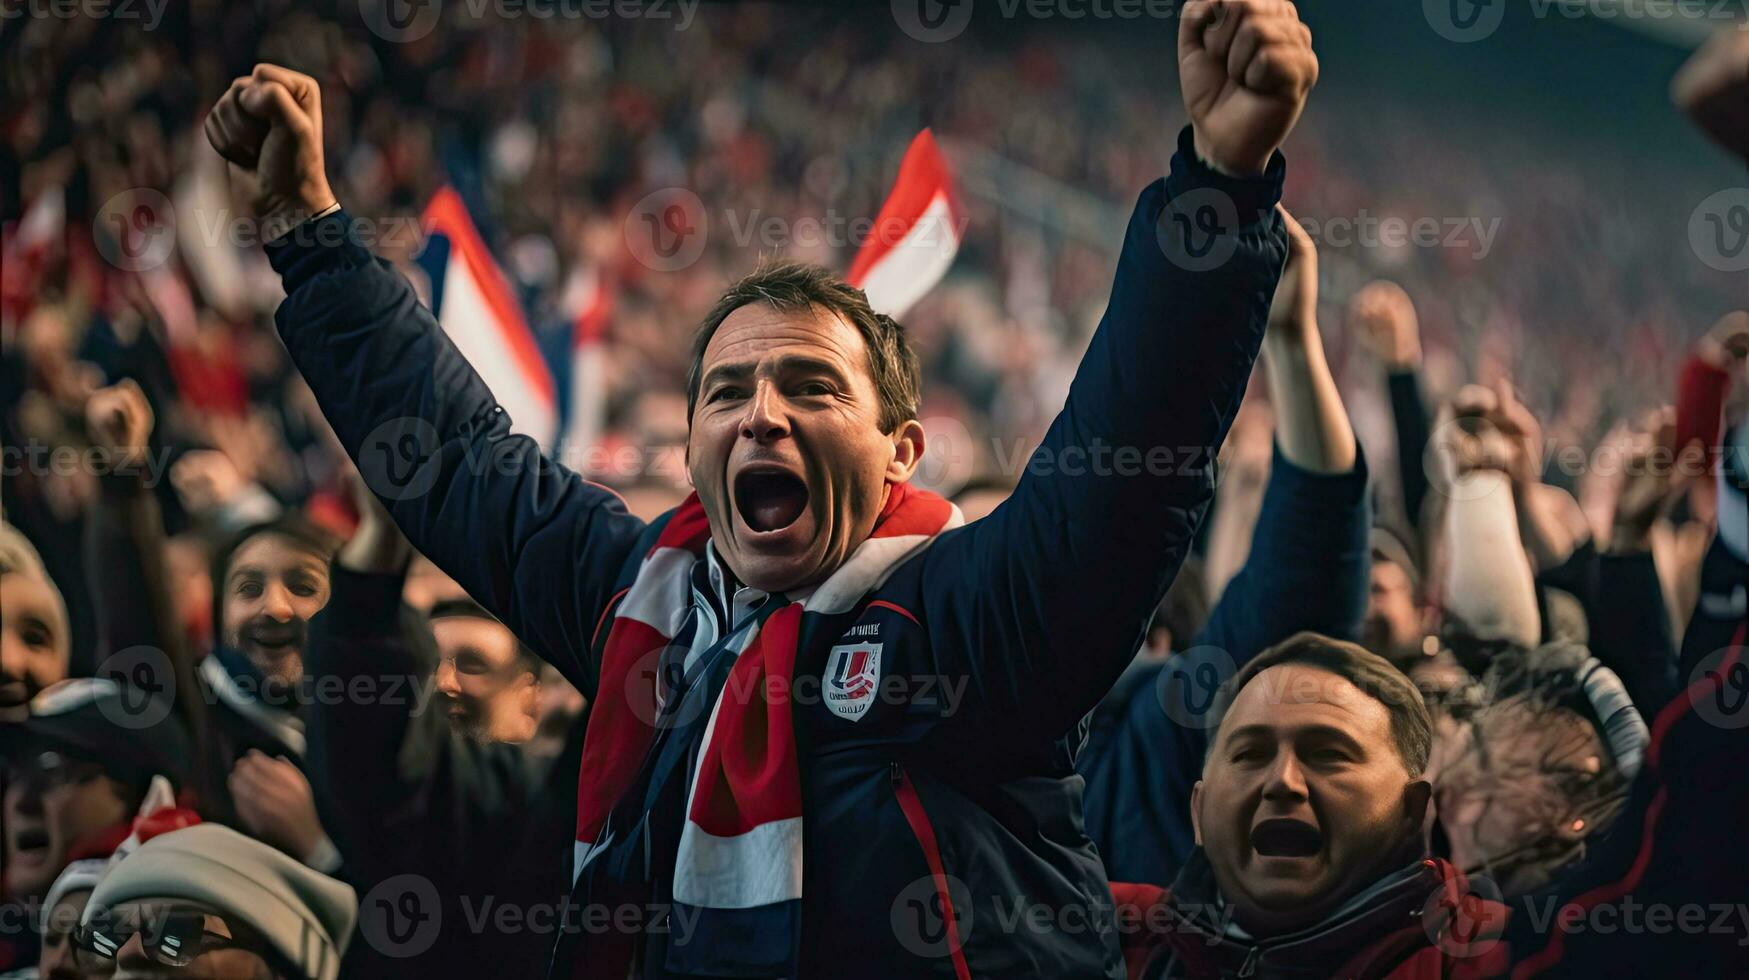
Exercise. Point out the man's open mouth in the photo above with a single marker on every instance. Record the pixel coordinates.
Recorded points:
(276, 641)
(30, 844)
(1285, 837)
(770, 499)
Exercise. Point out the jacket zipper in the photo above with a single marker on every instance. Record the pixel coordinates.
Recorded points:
(912, 806)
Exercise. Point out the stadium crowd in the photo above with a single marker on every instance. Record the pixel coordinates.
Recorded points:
(1450, 657)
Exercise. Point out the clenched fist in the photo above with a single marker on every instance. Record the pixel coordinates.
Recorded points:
(268, 126)
(1384, 319)
(119, 421)
(1246, 67)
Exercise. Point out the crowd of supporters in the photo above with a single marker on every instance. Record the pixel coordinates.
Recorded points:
(1517, 477)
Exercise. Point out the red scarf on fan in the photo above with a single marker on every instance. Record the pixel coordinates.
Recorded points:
(740, 850)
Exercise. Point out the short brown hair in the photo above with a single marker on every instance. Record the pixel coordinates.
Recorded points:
(1411, 725)
(794, 286)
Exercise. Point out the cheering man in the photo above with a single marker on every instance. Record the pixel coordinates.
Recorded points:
(833, 729)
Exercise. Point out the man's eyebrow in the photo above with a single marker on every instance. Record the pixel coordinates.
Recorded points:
(732, 372)
(1327, 732)
(804, 364)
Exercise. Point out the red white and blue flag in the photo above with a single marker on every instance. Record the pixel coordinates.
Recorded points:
(477, 308)
(916, 235)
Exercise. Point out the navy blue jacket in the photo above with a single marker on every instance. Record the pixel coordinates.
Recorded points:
(1308, 570)
(1031, 613)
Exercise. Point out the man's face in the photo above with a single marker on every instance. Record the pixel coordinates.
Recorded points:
(1392, 628)
(489, 692)
(273, 586)
(33, 639)
(1517, 783)
(786, 448)
(51, 803)
(1304, 799)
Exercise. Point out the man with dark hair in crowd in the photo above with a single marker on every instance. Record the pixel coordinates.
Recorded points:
(1310, 859)
(806, 556)
(469, 798)
(490, 683)
(267, 581)
(1306, 570)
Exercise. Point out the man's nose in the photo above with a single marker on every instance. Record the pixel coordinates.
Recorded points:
(446, 679)
(278, 603)
(1286, 780)
(764, 421)
(132, 954)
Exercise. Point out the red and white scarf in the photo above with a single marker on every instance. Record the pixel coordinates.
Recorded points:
(740, 849)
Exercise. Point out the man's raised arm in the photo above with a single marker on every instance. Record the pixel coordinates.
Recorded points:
(531, 541)
(1042, 604)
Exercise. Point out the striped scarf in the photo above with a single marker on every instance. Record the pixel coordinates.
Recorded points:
(738, 867)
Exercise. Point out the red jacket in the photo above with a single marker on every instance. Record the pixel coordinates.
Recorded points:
(1421, 923)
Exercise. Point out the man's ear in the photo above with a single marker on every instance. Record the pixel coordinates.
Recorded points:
(907, 451)
(1416, 796)
(1196, 813)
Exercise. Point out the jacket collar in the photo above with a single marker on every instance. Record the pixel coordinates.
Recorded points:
(236, 682)
(1205, 941)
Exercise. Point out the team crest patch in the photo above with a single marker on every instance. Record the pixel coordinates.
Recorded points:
(852, 673)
